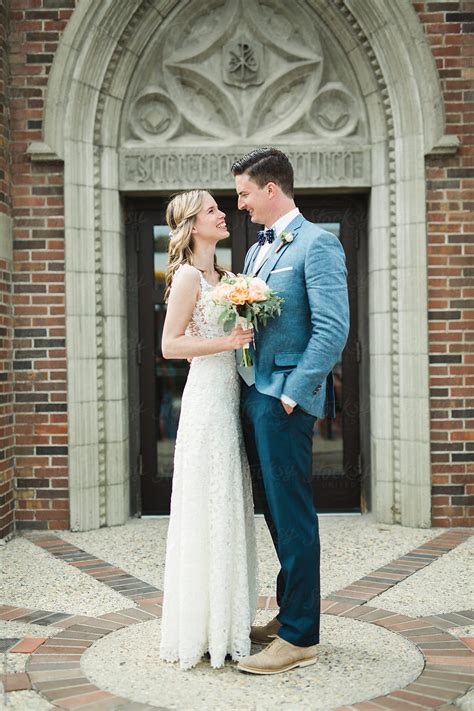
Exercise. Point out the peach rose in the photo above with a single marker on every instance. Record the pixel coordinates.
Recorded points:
(257, 293)
(221, 293)
(239, 295)
(258, 289)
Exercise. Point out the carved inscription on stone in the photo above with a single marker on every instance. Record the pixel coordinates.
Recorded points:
(155, 170)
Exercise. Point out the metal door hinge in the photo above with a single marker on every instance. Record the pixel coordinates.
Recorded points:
(140, 465)
(139, 352)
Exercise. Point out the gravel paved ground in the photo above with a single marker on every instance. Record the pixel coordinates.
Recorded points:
(25, 701)
(357, 660)
(352, 546)
(369, 659)
(466, 703)
(36, 579)
(447, 585)
(24, 629)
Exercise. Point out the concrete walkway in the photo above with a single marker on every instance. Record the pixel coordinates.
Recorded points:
(80, 623)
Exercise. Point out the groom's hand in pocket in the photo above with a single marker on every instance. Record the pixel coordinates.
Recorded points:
(288, 408)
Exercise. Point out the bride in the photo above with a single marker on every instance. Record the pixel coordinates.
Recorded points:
(210, 588)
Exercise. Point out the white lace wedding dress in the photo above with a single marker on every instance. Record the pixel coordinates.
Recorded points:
(210, 588)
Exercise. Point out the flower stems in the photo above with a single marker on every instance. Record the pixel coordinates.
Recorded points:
(247, 361)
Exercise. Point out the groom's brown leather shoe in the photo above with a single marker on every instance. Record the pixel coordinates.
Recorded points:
(265, 634)
(279, 656)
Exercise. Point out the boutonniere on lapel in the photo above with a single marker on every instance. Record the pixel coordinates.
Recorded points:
(286, 238)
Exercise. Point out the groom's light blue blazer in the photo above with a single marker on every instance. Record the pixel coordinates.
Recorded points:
(295, 353)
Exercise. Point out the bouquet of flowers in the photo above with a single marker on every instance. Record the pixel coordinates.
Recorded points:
(247, 300)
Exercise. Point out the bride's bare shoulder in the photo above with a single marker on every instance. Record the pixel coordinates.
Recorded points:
(186, 283)
(187, 274)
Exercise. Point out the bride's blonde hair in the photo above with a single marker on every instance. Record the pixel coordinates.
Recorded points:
(180, 216)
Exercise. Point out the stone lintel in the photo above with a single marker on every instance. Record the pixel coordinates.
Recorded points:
(146, 168)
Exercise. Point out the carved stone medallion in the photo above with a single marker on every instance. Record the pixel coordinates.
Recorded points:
(153, 114)
(334, 111)
(242, 62)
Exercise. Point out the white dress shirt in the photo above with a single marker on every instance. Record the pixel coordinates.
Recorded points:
(278, 228)
(262, 254)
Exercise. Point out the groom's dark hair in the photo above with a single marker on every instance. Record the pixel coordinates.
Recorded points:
(266, 165)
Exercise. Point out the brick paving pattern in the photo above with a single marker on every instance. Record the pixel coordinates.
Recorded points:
(108, 574)
(54, 670)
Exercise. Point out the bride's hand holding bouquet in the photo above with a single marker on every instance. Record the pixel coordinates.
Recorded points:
(247, 301)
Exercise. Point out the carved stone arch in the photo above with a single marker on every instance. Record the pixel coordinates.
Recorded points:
(91, 23)
(89, 80)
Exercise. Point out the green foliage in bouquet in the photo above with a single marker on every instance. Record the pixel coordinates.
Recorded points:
(247, 299)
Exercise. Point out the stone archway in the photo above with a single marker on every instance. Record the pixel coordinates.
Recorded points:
(94, 81)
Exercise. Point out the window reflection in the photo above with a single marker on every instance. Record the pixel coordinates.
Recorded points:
(170, 379)
(161, 241)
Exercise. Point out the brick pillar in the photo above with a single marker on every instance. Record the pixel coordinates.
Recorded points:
(39, 360)
(6, 320)
(449, 27)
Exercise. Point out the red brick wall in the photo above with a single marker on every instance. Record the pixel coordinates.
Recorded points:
(6, 402)
(6, 322)
(449, 27)
(39, 361)
(4, 113)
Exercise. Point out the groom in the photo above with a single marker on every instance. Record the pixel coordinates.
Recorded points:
(288, 388)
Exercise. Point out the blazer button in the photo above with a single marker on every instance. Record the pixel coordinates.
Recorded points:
(316, 390)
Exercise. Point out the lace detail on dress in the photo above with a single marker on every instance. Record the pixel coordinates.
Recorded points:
(204, 321)
(210, 590)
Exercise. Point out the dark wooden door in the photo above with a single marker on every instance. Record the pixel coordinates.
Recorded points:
(336, 450)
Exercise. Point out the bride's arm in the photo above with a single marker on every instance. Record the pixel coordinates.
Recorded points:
(182, 300)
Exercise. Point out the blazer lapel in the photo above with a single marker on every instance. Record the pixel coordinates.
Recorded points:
(274, 256)
(250, 257)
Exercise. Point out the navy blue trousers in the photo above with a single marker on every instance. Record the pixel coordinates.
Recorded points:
(279, 450)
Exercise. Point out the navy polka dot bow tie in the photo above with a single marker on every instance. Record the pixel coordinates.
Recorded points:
(265, 236)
